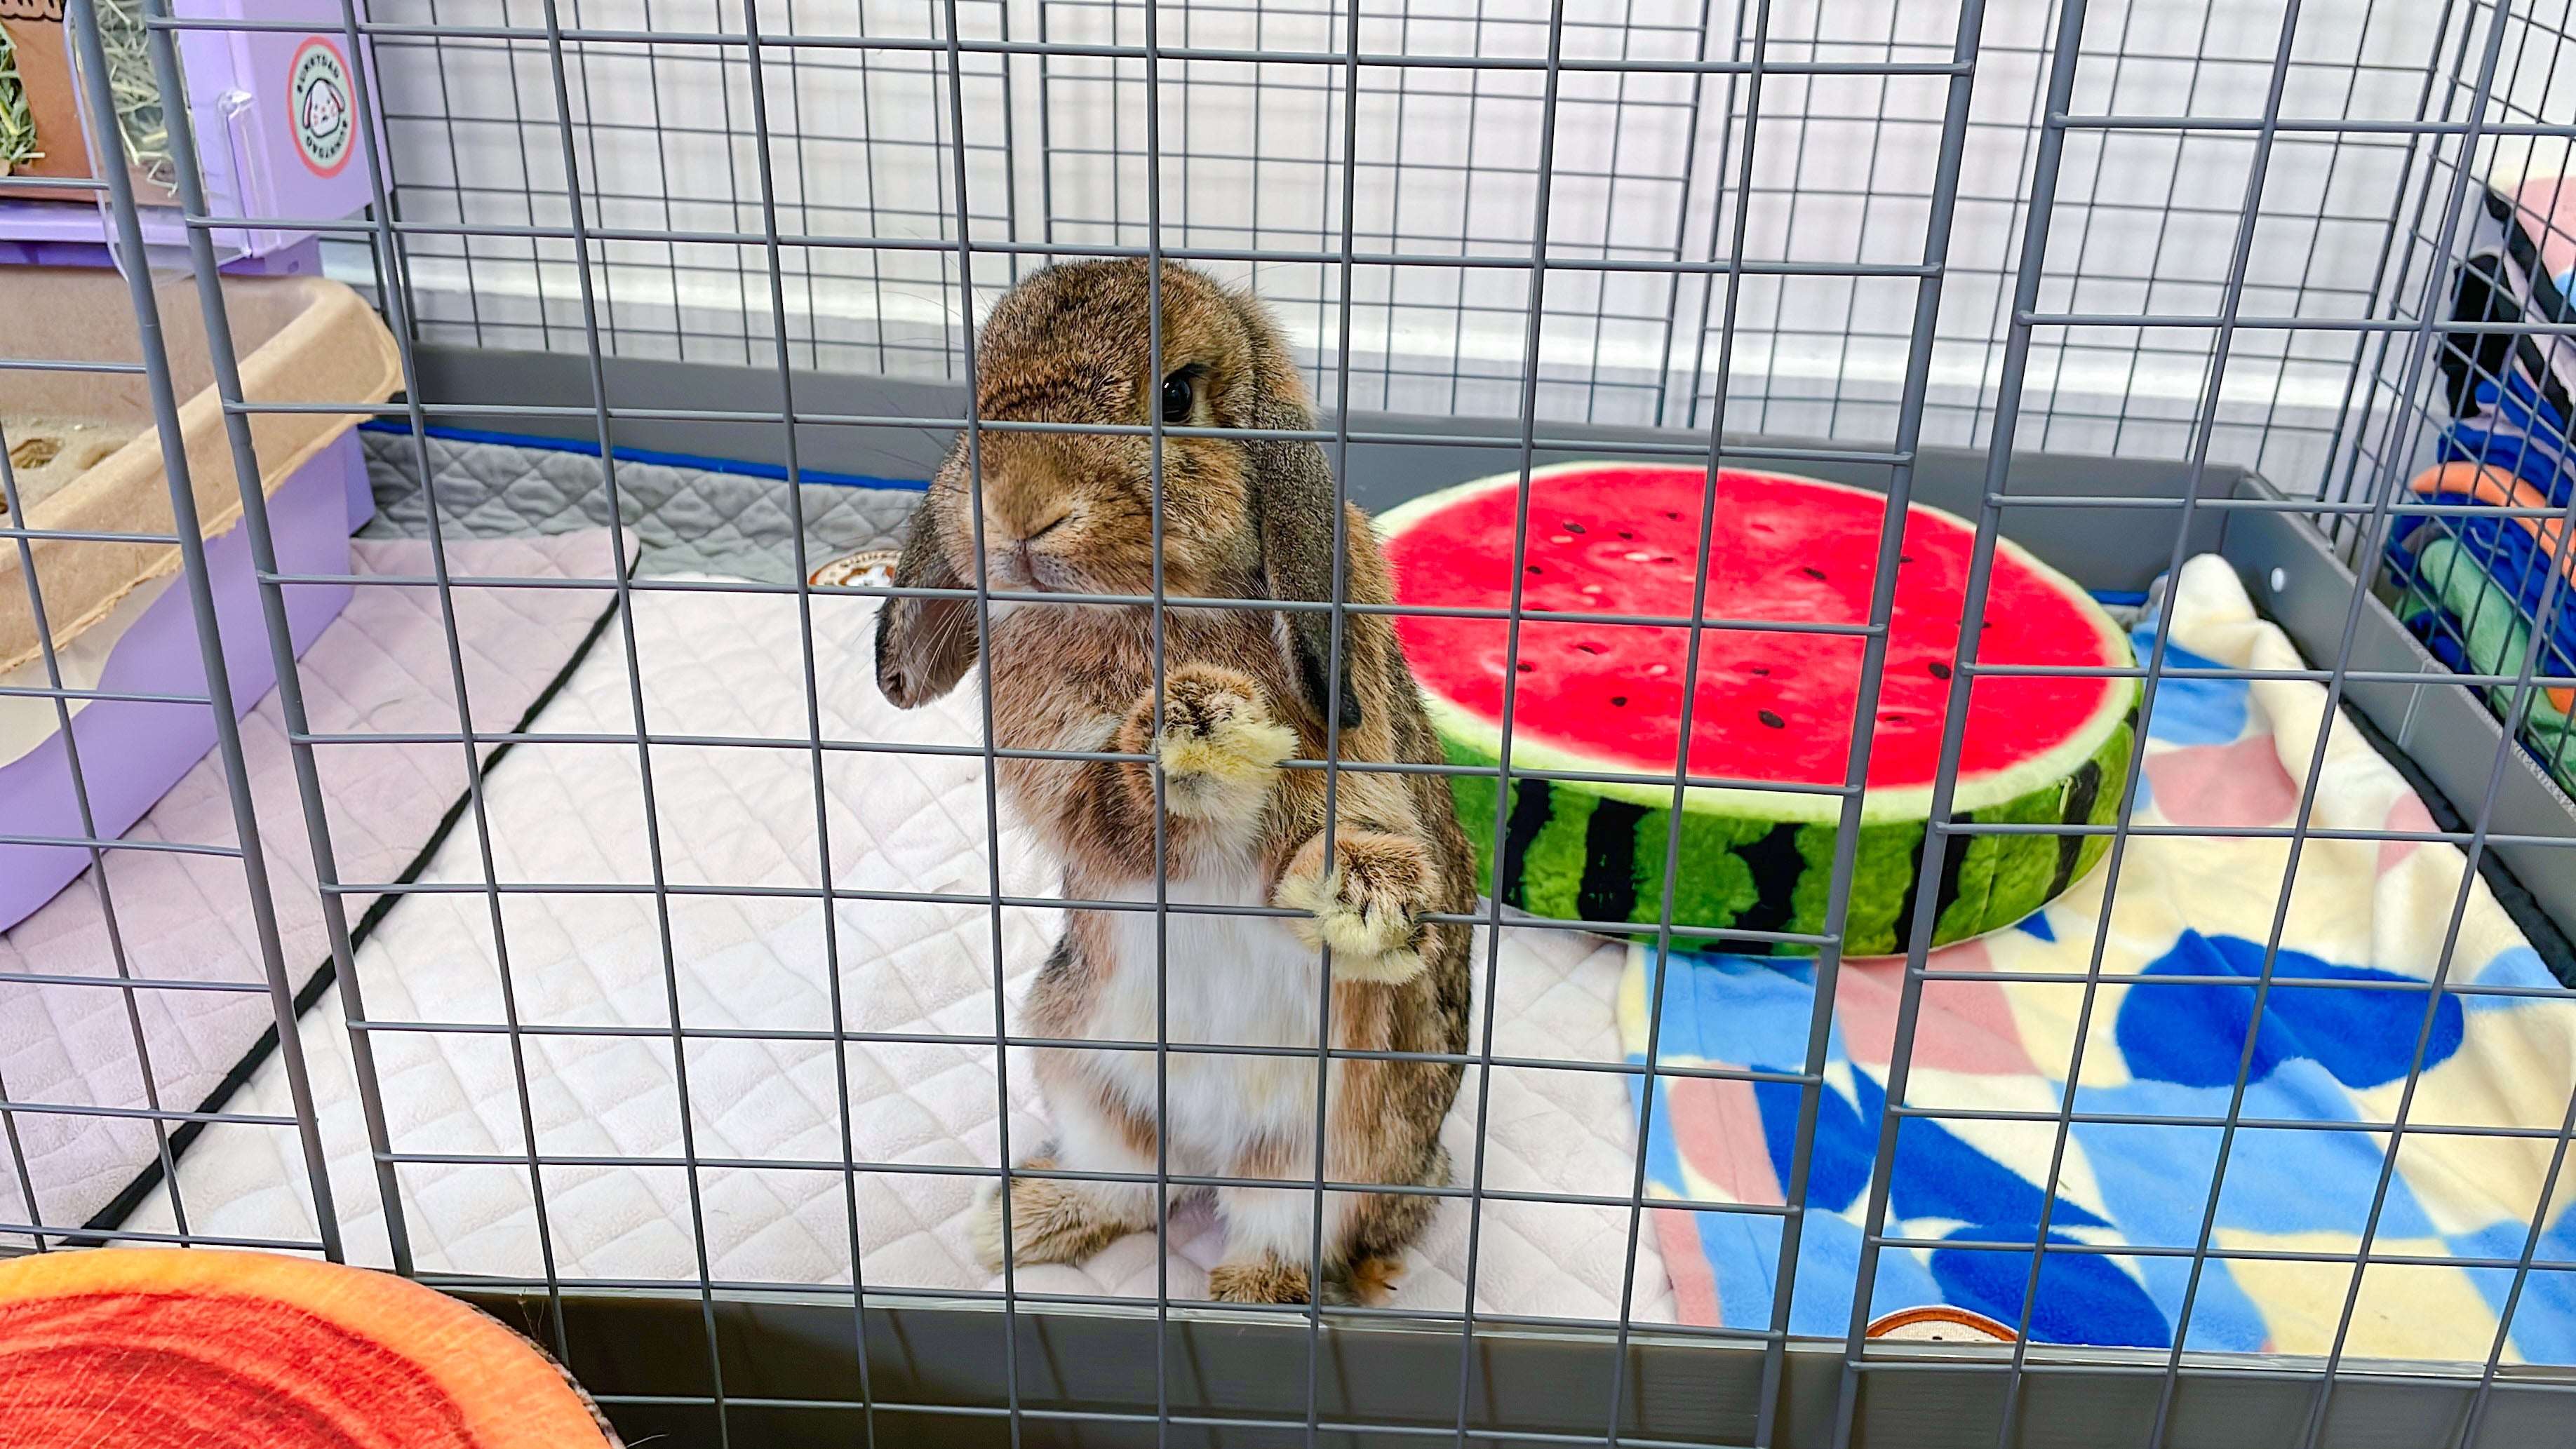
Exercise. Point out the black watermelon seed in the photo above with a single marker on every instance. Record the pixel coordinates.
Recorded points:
(1573, 527)
(1664, 558)
(1619, 700)
(1589, 648)
(1623, 533)
(1533, 568)
(1526, 668)
(1758, 669)
(1813, 573)
(1939, 669)
(1905, 558)
(1773, 720)
(1893, 716)
(1668, 513)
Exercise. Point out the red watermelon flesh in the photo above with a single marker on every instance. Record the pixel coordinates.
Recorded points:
(1770, 706)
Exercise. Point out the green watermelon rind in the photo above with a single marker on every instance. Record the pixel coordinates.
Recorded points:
(1769, 874)
(1461, 728)
(1762, 859)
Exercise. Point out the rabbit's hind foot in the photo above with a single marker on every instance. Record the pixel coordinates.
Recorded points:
(1273, 1279)
(1052, 1221)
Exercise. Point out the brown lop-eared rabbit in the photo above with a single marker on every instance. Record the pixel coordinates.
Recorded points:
(1244, 690)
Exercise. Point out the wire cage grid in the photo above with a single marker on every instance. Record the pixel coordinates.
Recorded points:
(1831, 228)
(937, 230)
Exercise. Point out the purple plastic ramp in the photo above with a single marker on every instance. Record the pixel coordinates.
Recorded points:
(131, 753)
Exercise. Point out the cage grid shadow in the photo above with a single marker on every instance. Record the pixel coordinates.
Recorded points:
(2129, 281)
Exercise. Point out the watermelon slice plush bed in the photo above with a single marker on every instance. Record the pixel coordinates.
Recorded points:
(1769, 708)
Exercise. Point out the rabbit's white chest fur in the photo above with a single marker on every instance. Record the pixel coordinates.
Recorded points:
(1227, 981)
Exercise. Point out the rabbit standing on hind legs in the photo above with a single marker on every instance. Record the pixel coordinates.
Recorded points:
(1244, 691)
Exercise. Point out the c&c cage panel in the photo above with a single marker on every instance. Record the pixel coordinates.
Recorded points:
(2126, 281)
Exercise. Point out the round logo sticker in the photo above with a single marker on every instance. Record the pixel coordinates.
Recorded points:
(318, 93)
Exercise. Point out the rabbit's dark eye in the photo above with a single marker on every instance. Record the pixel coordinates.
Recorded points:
(1177, 395)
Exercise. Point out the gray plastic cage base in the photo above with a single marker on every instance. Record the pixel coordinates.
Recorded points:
(935, 1372)
(937, 1376)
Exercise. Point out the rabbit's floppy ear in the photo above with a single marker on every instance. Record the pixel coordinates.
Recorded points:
(1293, 508)
(924, 645)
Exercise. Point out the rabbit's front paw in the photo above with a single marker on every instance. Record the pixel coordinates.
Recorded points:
(1219, 746)
(1365, 905)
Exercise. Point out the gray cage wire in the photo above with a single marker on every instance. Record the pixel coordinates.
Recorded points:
(2128, 281)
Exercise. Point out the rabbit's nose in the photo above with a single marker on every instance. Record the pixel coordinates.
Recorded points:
(1006, 565)
(1032, 524)
(1011, 543)
(1012, 564)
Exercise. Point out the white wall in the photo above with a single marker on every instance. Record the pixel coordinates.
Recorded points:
(1646, 168)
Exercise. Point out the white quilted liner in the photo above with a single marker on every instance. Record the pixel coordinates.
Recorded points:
(763, 1119)
(183, 918)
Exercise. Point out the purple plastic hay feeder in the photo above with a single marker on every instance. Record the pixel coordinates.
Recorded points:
(275, 124)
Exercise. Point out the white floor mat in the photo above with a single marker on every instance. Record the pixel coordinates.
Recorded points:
(750, 973)
(381, 667)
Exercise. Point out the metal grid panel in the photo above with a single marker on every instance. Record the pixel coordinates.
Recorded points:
(669, 168)
(2399, 410)
(1651, 111)
(2200, 232)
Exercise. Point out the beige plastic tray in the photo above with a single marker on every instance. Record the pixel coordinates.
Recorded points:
(298, 339)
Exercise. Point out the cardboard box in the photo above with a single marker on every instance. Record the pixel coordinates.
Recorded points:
(111, 607)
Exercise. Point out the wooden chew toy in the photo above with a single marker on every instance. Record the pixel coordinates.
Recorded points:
(1940, 1324)
(869, 566)
(198, 1348)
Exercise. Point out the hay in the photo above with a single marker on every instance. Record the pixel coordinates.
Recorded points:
(17, 126)
(142, 125)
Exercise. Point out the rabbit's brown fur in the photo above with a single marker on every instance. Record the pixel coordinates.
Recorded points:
(1244, 690)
